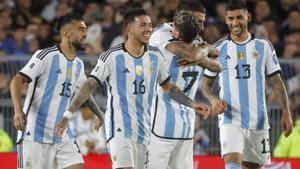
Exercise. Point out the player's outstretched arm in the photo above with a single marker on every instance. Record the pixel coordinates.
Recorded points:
(80, 97)
(280, 91)
(16, 86)
(176, 94)
(218, 105)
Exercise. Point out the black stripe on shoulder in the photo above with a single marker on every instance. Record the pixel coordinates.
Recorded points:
(105, 54)
(264, 38)
(44, 51)
(153, 48)
(53, 50)
(220, 41)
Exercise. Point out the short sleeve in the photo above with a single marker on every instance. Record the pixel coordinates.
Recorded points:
(272, 64)
(161, 34)
(101, 70)
(33, 68)
(82, 76)
(163, 75)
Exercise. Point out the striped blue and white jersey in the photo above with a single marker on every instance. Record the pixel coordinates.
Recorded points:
(131, 83)
(242, 81)
(171, 119)
(53, 79)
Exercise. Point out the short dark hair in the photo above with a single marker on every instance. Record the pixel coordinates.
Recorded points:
(191, 5)
(131, 13)
(187, 25)
(235, 5)
(66, 19)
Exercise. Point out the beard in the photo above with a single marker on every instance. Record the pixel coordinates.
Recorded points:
(78, 45)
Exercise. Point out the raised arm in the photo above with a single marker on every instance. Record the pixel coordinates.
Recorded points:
(280, 91)
(176, 94)
(218, 106)
(16, 86)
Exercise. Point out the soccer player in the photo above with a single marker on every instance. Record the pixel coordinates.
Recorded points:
(200, 52)
(171, 143)
(53, 75)
(131, 70)
(246, 60)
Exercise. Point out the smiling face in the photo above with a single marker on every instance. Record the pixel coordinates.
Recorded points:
(140, 29)
(237, 22)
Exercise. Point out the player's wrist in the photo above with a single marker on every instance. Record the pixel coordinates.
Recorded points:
(68, 114)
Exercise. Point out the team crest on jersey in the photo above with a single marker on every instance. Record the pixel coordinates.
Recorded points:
(69, 72)
(151, 67)
(255, 54)
(139, 70)
(28, 164)
(241, 55)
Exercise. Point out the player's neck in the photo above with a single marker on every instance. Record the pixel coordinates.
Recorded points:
(240, 38)
(68, 50)
(134, 48)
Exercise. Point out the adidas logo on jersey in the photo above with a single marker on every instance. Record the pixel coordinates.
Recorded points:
(58, 71)
(125, 70)
(28, 133)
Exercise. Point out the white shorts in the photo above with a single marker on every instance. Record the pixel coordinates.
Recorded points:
(34, 155)
(126, 153)
(252, 144)
(175, 154)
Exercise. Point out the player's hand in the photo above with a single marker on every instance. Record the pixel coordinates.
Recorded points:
(218, 106)
(19, 120)
(287, 123)
(61, 126)
(201, 109)
(213, 52)
(98, 123)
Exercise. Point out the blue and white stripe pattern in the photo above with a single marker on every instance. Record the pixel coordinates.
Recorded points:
(242, 80)
(53, 80)
(172, 120)
(131, 85)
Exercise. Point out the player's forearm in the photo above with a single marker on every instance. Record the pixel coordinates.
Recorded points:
(181, 49)
(16, 86)
(207, 89)
(82, 95)
(280, 91)
(176, 94)
(212, 65)
(91, 103)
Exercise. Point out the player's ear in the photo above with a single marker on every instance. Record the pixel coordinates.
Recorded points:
(249, 16)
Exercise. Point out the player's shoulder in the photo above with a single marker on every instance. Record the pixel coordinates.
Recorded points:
(110, 52)
(221, 41)
(264, 40)
(44, 53)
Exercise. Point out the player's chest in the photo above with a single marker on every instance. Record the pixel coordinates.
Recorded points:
(132, 68)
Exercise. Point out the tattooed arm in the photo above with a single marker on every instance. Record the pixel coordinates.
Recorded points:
(188, 55)
(280, 91)
(176, 94)
(83, 94)
(80, 97)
